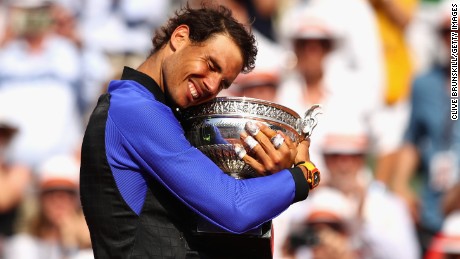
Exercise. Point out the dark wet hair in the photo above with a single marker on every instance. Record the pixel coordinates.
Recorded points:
(206, 22)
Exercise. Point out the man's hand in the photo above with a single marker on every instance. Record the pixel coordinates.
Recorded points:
(262, 154)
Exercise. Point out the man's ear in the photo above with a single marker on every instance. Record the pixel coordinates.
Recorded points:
(179, 37)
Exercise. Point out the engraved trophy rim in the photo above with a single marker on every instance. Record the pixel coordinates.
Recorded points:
(242, 99)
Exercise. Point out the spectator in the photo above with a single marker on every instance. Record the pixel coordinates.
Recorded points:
(378, 234)
(38, 81)
(431, 145)
(57, 229)
(325, 230)
(314, 40)
(359, 51)
(385, 235)
(393, 19)
(14, 180)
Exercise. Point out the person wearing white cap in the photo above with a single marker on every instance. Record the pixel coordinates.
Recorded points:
(316, 41)
(57, 228)
(387, 235)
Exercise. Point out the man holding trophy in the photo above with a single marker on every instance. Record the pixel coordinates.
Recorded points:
(147, 192)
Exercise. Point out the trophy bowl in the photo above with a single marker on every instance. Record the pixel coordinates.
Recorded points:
(214, 128)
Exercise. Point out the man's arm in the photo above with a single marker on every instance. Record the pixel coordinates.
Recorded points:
(156, 141)
(406, 166)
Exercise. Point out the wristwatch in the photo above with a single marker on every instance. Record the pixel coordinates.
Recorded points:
(313, 174)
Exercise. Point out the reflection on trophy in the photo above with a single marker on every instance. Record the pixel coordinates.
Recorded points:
(215, 126)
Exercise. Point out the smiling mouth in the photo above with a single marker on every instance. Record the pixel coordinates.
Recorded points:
(193, 90)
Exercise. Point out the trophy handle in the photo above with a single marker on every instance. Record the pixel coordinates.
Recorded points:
(310, 120)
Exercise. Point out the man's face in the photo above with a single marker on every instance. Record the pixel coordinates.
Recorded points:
(196, 73)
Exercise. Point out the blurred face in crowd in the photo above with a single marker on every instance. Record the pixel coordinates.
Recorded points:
(196, 73)
(344, 169)
(333, 241)
(29, 22)
(322, 238)
(58, 204)
(310, 55)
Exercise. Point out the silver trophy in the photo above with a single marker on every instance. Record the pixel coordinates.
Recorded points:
(214, 128)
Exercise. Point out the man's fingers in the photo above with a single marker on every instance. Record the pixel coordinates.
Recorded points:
(262, 134)
(242, 154)
(273, 153)
(290, 144)
(258, 167)
(265, 136)
(250, 141)
(266, 130)
(255, 147)
(273, 149)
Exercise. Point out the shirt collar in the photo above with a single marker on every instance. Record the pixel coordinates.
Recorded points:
(146, 81)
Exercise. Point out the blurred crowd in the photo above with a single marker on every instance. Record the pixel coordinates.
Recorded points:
(386, 146)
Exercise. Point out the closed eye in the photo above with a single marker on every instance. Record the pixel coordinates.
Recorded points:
(225, 84)
(213, 65)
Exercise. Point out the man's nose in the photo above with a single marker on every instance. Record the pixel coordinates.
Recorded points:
(213, 82)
